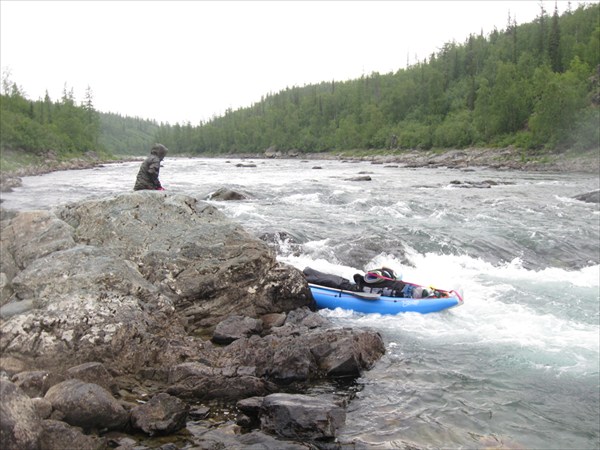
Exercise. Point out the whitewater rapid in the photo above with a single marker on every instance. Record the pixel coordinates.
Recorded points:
(516, 366)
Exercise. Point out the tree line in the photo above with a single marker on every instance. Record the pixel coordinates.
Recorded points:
(66, 128)
(533, 86)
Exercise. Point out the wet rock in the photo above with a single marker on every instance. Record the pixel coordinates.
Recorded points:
(228, 437)
(163, 414)
(225, 194)
(282, 242)
(259, 440)
(361, 178)
(86, 405)
(471, 184)
(20, 427)
(57, 435)
(236, 327)
(301, 417)
(303, 317)
(297, 353)
(589, 197)
(250, 406)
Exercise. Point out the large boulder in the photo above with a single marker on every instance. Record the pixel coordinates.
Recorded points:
(131, 279)
(86, 405)
(211, 265)
(296, 416)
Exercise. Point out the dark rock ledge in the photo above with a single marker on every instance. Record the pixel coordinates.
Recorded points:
(127, 319)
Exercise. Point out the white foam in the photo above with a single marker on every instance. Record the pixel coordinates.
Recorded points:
(495, 313)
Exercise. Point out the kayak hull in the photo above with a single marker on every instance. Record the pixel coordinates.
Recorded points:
(329, 298)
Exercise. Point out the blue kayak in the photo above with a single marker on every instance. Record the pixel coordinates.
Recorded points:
(330, 298)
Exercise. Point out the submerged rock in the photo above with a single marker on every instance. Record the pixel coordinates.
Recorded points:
(225, 194)
(589, 197)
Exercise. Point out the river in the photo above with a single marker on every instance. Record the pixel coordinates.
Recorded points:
(516, 366)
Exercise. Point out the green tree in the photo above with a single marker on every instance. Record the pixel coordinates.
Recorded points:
(554, 43)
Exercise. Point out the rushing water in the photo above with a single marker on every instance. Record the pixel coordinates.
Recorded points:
(517, 366)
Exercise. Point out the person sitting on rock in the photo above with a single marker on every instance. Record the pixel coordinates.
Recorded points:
(147, 177)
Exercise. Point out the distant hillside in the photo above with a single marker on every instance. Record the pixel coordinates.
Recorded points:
(126, 135)
(532, 86)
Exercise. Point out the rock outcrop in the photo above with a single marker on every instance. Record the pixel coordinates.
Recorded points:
(154, 298)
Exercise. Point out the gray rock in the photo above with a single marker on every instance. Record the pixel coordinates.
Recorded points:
(163, 414)
(20, 426)
(225, 194)
(36, 383)
(236, 327)
(16, 307)
(136, 284)
(57, 435)
(42, 407)
(33, 234)
(471, 184)
(296, 353)
(87, 405)
(5, 291)
(273, 320)
(360, 178)
(589, 197)
(221, 387)
(210, 264)
(301, 417)
(94, 372)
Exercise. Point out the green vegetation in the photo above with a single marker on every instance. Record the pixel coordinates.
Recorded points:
(126, 135)
(533, 86)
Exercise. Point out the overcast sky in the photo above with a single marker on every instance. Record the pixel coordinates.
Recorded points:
(187, 61)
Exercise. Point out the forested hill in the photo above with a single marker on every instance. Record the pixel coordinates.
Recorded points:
(533, 86)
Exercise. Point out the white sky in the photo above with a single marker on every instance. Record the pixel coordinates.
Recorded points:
(180, 61)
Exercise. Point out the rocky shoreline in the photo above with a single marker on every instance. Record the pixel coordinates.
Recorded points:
(508, 158)
(124, 319)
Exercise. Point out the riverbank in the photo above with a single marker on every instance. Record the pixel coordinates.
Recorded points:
(509, 158)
